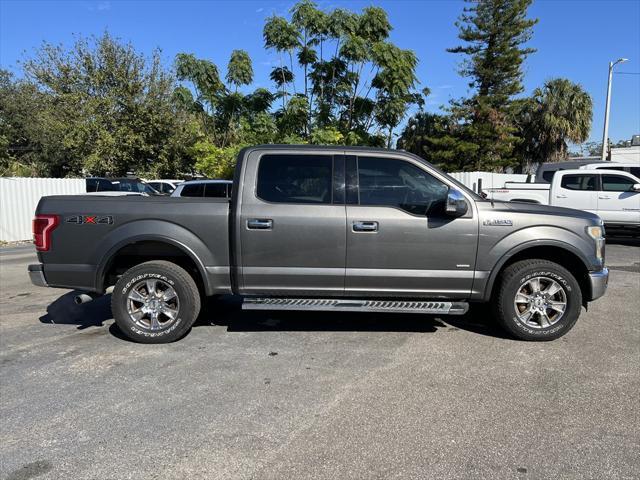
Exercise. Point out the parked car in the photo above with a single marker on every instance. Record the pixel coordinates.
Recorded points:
(204, 188)
(613, 195)
(546, 171)
(632, 168)
(324, 228)
(165, 187)
(123, 185)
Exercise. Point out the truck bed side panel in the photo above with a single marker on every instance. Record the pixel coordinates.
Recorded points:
(81, 248)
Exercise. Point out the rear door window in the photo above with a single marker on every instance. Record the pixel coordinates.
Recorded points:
(295, 178)
(579, 182)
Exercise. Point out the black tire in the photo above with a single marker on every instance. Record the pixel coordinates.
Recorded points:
(510, 316)
(165, 274)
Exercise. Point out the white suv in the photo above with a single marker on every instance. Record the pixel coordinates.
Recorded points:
(204, 188)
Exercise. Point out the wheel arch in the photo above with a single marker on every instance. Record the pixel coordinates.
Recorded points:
(163, 248)
(562, 253)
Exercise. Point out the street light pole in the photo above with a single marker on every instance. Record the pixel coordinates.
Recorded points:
(605, 133)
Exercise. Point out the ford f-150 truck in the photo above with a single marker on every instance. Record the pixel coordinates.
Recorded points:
(324, 228)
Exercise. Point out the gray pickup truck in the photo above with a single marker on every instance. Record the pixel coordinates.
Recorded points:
(324, 228)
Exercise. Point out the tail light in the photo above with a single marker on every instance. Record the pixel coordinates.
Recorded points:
(43, 225)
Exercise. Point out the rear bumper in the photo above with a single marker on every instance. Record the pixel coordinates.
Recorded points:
(599, 281)
(36, 274)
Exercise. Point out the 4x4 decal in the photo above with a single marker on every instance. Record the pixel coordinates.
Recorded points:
(90, 219)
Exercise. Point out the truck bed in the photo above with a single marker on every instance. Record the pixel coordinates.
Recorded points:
(92, 228)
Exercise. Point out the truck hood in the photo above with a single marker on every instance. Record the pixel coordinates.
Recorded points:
(536, 209)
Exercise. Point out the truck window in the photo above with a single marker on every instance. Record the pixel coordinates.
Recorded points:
(193, 190)
(616, 183)
(217, 190)
(396, 183)
(548, 175)
(635, 171)
(579, 182)
(295, 178)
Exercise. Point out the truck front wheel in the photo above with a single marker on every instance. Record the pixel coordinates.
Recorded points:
(537, 300)
(155, 302)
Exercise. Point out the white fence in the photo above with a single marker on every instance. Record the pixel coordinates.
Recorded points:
(19, 198)
(489, 179)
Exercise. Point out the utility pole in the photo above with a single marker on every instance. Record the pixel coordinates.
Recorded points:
(605, 133)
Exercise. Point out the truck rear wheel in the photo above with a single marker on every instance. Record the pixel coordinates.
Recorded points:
(155, 302)
(537, 300)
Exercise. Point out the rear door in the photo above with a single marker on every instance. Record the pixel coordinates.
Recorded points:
(576, 190)
(400, 243)
(617, 201)
(292, 225)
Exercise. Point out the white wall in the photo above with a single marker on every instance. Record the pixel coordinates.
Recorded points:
(489, 179)
(626, 154)
(19, 198)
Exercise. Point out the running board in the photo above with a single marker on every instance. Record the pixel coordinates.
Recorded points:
(344, 305)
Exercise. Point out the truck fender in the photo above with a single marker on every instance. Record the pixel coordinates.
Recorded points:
(154, 230)
(510, 246)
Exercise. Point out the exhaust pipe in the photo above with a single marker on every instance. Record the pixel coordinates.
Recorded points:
(83, 298)
(87, 297)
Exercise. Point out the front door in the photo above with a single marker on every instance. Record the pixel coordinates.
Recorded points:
(617, 200)
(400, 243)
(577, 191)
(292, 226)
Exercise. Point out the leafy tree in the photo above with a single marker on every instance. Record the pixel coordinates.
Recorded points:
(558, 113)
(494, 32)
(368, 83)
(437, 139)
(239, 70)
(98, 108)
(281, 36)
(213, 161)
(362, 91)
(20, 138)
(205, 81)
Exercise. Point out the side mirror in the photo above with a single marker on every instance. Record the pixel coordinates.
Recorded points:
(635, 187)
(456, 203)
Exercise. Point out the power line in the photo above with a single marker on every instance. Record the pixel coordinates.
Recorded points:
(627, 73)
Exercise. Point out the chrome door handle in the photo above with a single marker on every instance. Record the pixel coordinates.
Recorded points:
(604, 197)
(561, 196)
(365, 226)
(260, 224)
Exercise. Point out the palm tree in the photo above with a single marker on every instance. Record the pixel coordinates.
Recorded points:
(559, 112)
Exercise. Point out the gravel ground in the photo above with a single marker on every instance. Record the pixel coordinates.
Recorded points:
(290, 395)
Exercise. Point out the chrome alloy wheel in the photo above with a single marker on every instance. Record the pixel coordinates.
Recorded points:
(540, 302)
(153, 304)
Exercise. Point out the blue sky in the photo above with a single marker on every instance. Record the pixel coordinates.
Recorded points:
(575, 39)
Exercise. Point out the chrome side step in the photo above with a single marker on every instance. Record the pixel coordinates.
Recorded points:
(355, 305)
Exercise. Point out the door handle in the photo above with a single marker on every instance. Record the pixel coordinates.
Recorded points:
(365, 226)
(260, 224)
(604, 197)
(561, 196)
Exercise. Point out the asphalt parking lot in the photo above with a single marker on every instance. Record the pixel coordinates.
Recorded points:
(283, 395)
